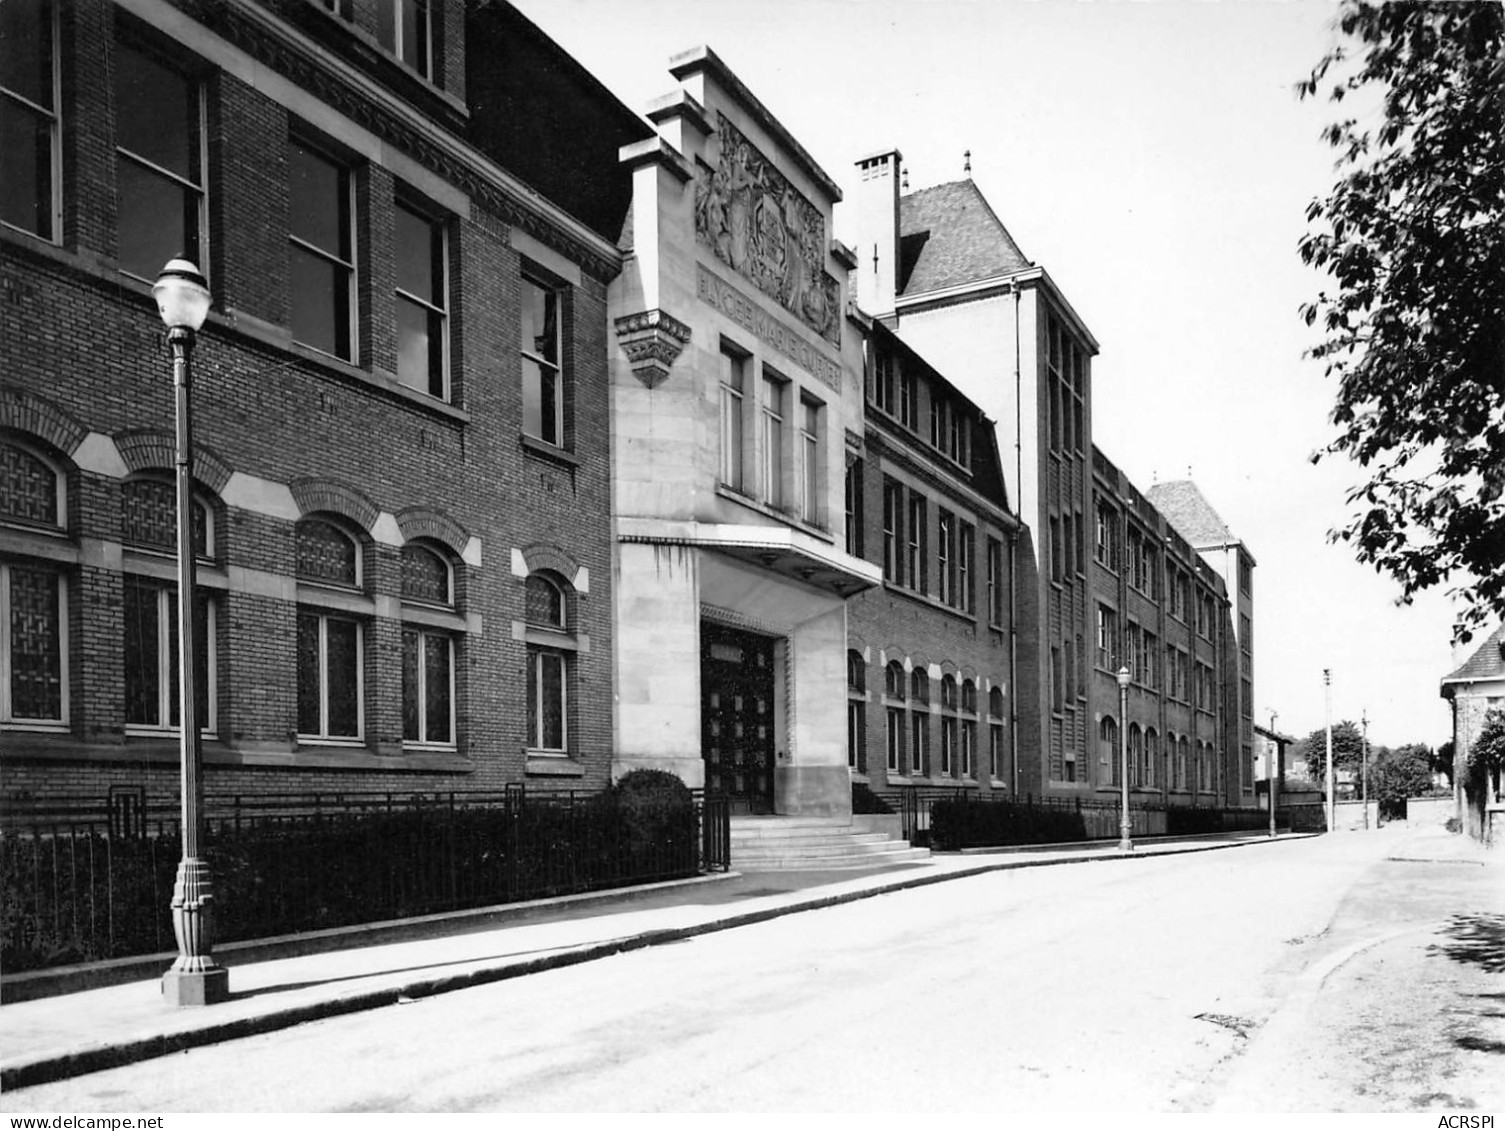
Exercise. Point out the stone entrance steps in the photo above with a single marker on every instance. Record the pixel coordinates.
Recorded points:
(769, 844)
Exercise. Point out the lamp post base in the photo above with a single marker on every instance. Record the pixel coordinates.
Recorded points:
(204, 986)
(1125, 841)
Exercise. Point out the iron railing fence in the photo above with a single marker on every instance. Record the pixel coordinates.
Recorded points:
(81, 883)
(960, 817)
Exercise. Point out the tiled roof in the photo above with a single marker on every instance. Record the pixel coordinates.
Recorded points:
(1190, 513)
(1487, 662)
(949, 235)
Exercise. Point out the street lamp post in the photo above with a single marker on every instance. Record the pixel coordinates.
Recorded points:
(1327, 684)
(1125, 841)
(1272, 784)
(1364, 768)
(194, 978)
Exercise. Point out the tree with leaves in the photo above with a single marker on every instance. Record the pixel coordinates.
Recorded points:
(1412, 237)
(1348, 750)
(1486, 754)
(1395, 775)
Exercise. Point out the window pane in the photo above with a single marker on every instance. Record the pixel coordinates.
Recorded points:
(319, 202)
(26, 187)
(343, 649)
(551, 688)
(425, 575)
(420, 360)
(201, 651)
(436, 719)
(320, 303)
(325, 553)
(36, 682)
(309, 679)
(545, 602)
(540, 314)
(410, 705)
(415, 34)
(158, 220)
(28, 487)
(417, 257)
(541, 401)
(386, 23)
(143, 674)
(26, 51)
(156, 114)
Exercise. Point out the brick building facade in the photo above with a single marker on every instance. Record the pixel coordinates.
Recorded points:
(931, 652)
(401, 412)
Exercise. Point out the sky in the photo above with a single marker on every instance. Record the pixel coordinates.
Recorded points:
(1154, 158)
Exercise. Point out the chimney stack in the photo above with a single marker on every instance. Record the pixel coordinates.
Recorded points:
(877, 215)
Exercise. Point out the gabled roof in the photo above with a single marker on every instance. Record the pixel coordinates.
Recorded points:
(1191, 514)
(949, 235)
(1487, 662)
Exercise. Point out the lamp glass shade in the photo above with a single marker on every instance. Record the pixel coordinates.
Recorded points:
(1123, 677)
(182, 295)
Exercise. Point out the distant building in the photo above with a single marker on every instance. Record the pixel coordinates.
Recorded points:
(1102, 579)
(1474, 688)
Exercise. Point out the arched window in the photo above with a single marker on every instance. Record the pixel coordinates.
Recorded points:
(427, 575)
(948, 692)
(331, 642)
(149, 522)
(327, 554)
(919, 686)
(1136, 755)
(550, 662)
(856, 712)
(969, 696)
(33, 596)
(995, 702)
(1107, 747)
(546, 603)
(428, 651)
(149, 518)
(893, 680)
(1151, 757)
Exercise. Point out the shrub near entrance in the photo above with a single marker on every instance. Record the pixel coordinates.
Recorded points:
(656, 809)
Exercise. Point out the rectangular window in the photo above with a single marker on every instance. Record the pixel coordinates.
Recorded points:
(810, 461)
(856, 735)
(422, 302)
(883, 382)
(773, 441)
(428, 687)
(547, 691)
(1104, 546)
(1245, 634)
(733, 392)
(403, 28)
(893, 532)
(919, 742)
(331, 677)
(948, 746)
(969, 747)
(33, 647)
(1057, 681)
(1057, 551)
(1107, 636)
(995, 581)
(159, 166)
(937, 423)
(1151, 661)
(909, 398)
(152, 683)
(916, 565)
(995, 751)
(321, 208)
(29, 133)
(945, 562)
(854, 509)
(543, 378)
(966, 552)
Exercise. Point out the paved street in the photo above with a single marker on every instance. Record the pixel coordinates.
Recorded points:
(1210, 981)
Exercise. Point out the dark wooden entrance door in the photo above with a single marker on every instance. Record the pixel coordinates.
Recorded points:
(736, 716)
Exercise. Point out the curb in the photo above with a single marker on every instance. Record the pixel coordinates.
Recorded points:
(48, 1067)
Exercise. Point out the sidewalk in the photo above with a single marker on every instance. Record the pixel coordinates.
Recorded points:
(275, 984)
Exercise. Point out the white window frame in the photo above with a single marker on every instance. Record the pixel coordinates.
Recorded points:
(323, 737)
(810, 463)
(166, 596)
(398, 47)
(557, 294)
(437, 227)
(8, 720)
(350, 266)
(772, 413)
(537, 654)
(733, 418)
(201, 189)
(427, 637)
(53, 115)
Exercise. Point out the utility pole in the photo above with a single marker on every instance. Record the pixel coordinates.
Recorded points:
(1272, 778)
(1327, 684)
(1364, 766)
